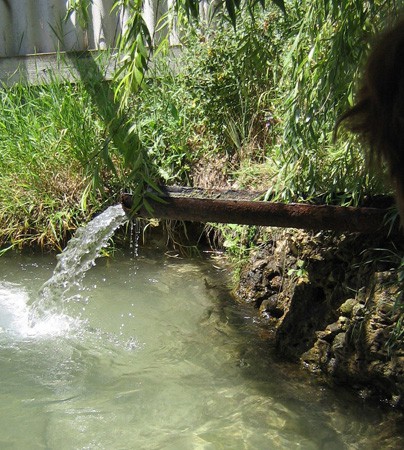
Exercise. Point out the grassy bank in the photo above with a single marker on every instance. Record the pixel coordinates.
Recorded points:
(247, 108)
(48, 138)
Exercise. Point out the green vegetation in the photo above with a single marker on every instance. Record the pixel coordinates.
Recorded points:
(297, 68)
(249, 107)
(47, 135)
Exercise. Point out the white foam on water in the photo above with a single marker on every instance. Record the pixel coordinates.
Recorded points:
(46, 315)
(15, 316)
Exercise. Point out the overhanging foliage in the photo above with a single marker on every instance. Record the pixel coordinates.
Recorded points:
(324, 44)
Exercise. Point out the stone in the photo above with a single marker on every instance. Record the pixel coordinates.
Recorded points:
(317, 356)
(272, 307)
(338, 346)
(344, 323)
(385, 307)
(325, 335)
(259, 265)
(334, 328)
(346, 309)
(358, 310)
(276, 283)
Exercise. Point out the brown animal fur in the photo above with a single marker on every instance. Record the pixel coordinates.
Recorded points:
(378, 115)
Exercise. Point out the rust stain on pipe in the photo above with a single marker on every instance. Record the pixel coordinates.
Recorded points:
(248, 212)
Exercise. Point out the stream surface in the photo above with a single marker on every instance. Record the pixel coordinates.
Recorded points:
(146, 355)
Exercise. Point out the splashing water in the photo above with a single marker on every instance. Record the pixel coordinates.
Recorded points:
(78, 257)
(15, 316)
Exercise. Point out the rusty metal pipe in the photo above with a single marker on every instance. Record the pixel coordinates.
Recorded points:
(222, 209)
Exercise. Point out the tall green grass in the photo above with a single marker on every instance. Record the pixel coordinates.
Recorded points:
(49, 169)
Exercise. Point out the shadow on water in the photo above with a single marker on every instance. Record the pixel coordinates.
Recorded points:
(332, 416)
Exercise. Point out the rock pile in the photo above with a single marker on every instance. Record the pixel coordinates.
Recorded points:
(334, 303)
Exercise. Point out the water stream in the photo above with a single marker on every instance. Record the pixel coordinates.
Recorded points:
(144, 354)
(75, 260)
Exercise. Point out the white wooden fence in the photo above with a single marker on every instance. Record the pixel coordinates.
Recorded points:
(40, 26)
(33, 34)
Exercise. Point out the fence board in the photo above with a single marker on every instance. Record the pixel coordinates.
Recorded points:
(42, 68)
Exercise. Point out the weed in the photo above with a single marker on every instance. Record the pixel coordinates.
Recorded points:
(300, 273)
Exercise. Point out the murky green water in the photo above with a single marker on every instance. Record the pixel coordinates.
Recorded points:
(147, 357)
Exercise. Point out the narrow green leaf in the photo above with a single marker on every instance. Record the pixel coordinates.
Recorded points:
(138, 77)
(279, 3)
(231, 10)
(155, 197)
(148, 206)
(153, 185)
(140, 46)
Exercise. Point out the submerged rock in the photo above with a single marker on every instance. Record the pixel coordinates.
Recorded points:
(332, 304)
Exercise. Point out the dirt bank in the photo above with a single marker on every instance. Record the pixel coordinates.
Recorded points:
(332, 303)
